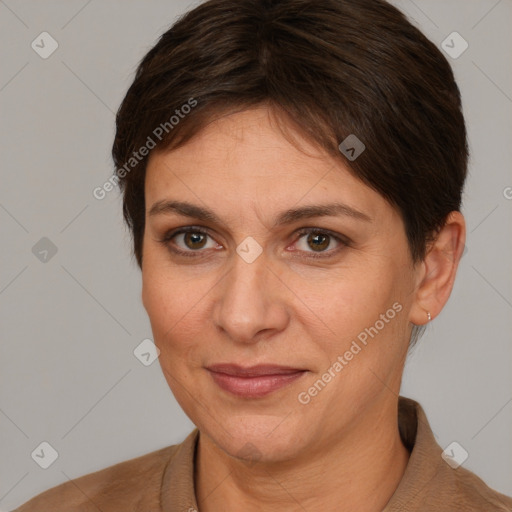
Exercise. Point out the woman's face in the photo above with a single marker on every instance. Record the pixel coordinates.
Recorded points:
(281, 327)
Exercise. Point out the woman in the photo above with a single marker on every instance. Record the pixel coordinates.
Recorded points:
(292, 175)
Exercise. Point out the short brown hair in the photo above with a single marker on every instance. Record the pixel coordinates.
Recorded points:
(331, 67)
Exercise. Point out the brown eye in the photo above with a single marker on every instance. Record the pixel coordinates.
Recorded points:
(189, 241)
(194, 240)
(318, 242)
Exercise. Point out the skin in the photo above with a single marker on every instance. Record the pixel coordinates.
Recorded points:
(342, 450)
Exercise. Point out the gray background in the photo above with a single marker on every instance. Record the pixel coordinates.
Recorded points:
(69, 325)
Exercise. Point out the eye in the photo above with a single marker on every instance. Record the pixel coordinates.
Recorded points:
(319, 243)
(188, 240)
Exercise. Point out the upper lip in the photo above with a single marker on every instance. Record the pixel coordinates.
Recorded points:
(253, 371)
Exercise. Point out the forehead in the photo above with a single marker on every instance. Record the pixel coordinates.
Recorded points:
(245, 158)
(241, 137)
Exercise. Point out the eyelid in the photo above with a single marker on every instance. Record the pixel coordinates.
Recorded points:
(169, 235)
(342, 241)
(184, 229)
(324, 231)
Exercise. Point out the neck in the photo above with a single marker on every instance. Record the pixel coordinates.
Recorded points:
(358, 470)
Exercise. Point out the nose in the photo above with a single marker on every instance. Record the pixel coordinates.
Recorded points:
(250, 302)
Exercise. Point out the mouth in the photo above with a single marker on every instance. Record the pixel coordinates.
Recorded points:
(254, 381)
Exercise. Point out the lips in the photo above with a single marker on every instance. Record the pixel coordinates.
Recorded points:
(254, 381)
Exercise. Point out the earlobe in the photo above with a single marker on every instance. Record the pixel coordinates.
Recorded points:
(439, 269)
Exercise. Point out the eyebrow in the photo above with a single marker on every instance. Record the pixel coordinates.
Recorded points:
(290, 216)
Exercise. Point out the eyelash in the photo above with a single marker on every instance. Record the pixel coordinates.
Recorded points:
(344, 242)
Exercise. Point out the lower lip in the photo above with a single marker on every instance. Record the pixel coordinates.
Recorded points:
(254, 387)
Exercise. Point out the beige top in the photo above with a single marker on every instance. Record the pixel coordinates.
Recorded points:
(163, 480)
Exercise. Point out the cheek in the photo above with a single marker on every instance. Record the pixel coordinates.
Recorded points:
(173, 318)
(351, 296)
(365, 346)
(367, 306)
(175, 305)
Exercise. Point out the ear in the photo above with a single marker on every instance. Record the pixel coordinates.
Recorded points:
(438, 270)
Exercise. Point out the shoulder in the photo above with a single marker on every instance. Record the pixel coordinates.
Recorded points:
(471, 493)
(433, 480)
(119, 487)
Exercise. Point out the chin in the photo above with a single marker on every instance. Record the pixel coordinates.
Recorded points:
(258, 438)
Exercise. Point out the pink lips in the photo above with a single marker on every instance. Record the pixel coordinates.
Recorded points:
(254, 381)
